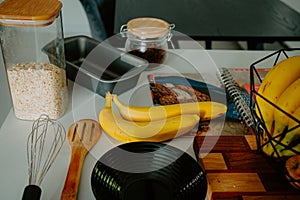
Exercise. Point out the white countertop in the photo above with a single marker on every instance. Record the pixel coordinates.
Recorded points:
(85, 104)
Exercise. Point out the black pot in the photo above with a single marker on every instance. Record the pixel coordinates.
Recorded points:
(148, 170)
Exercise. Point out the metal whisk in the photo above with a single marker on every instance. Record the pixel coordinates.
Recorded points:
(43, 145)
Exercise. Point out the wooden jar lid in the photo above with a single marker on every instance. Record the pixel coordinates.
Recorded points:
(148, 27)
(29, 12)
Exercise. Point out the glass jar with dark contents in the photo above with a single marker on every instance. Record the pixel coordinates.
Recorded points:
(148, 38)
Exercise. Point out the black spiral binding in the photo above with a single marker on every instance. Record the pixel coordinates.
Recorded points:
(240, 99)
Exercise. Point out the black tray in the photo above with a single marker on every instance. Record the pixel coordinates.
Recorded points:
(99, 66)
(148, 170)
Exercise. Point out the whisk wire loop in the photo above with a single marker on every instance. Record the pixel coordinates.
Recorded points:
(43, 145)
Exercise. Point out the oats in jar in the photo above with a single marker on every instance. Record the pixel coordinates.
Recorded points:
(38, 88)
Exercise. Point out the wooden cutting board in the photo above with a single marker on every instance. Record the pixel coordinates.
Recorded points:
(237, 171)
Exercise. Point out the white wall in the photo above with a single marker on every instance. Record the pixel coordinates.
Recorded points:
(294, 4)
(75, 21)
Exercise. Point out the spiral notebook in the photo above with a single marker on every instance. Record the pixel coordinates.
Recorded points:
(239, 96)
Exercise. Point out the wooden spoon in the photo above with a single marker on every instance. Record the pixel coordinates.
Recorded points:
(82, 136)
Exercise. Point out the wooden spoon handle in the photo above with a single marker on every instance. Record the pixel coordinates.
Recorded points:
(74, 172)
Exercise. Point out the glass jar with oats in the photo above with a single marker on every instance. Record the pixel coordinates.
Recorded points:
(36, 77)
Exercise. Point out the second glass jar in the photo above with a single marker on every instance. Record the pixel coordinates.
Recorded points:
(148, 38)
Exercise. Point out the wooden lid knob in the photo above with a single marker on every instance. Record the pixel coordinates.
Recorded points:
(148, 27)
(27, 12)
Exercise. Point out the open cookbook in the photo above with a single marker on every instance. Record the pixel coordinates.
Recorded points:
(234, 92)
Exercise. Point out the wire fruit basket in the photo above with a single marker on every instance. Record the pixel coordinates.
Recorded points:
(270, 144)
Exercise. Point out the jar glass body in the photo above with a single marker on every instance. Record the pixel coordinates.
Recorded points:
(34, 59)
(151, 49)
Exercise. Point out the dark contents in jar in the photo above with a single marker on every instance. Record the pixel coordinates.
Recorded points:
(152, 55)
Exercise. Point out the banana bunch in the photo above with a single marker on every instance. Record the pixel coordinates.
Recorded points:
(281, 86)
(206, 110)
(156, 124)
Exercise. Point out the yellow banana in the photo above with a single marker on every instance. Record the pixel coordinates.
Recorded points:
(155, 131)
(206, 110)
(268, 148)
(274, 84)
(293, 123)
(289, 101)
(286, 152)
(281, 150)
(292, 137)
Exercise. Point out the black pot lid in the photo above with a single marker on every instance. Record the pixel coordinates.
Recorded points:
(148, 170)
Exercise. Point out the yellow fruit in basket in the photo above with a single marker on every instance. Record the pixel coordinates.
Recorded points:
(289, 101)
(154, 131)
(291, 142)
(293, 123)
(268, 148)
(206, 110)
(274, 84)
(292, 137)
